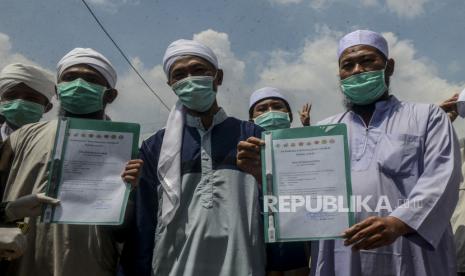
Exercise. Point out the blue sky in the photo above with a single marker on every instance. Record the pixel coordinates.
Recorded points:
(285, 43)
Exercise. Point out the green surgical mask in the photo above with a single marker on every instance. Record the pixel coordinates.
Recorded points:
(196, 92)
(272, 120)
(81, 97)
(364, 88)
(20, 112)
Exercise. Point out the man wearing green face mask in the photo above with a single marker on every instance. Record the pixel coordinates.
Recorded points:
(201, 208)
(25, 94)
(404, 156)
(86, 84)
(269, 109)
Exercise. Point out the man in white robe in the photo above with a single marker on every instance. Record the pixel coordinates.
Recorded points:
(86, 81)
(402, 154)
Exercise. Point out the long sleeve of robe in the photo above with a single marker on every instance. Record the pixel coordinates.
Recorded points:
(217, 228)
(409, 154)
(52, 249)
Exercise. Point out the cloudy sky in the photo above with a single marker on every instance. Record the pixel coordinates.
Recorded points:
(289, 44)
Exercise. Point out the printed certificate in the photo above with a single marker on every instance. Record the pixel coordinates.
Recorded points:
(85, 173)
(307, 186)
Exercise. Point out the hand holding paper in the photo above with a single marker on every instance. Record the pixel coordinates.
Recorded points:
(308, 187)
(375, 232)
(132, 171)
(86, 171)
(248, 156)
(28, 206)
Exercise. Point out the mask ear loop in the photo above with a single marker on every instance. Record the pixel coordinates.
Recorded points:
(214, 78)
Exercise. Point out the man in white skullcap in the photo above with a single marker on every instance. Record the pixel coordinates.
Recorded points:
(202, 210)
(86, 82)
(25, 94)
(269, 109)
(405, 158)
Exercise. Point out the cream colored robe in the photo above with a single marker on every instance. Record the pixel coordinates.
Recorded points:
(53, 249)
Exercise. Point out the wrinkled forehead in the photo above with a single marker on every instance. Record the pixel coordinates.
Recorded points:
(83, 71)
(271, 100)
(190, 60)
(22, 90)
(358, 51)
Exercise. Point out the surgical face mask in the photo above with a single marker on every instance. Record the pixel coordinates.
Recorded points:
(272, 120)
(364, 88)
(20, 112)
(196, 92)
(81, 97)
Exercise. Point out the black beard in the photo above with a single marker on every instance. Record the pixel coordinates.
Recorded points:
(359, 108)
(364, 108)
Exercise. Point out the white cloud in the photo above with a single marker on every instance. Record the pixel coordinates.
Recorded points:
(233, 93)
(310, 74)
(136, 103)
(7, 56)
(406, 8)
(403, 8)
(305, 74)
(416, 79)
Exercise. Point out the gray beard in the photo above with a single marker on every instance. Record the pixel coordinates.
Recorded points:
(348, 105)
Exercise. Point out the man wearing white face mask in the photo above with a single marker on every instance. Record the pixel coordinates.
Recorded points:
(201, 208)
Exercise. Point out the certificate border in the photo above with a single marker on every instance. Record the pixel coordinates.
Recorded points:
(305, 132)
(95, 125)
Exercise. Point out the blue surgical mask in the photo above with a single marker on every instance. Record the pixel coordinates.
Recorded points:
(196, 92)
(272, 120)
(364, 88)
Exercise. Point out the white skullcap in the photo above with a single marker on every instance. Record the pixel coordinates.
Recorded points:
(363, 37)
(32, 76)
(184, 47)
(91, 58)
(265, 93)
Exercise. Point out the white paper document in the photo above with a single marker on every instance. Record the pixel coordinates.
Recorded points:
(311, 185)
(316, 172)
(92, 188)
